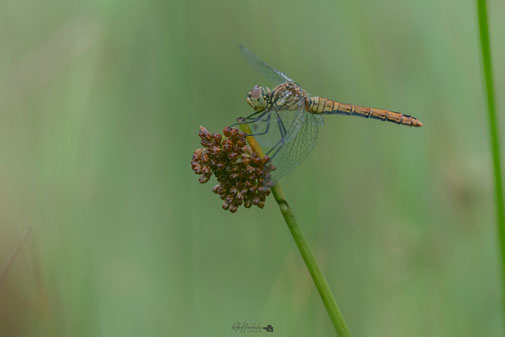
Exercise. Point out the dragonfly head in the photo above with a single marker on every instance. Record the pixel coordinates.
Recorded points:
(257, 98)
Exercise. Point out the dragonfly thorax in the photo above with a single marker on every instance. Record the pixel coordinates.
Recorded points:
(288, 96)
(257, 98)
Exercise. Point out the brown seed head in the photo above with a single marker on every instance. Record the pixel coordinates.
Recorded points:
(241, 174)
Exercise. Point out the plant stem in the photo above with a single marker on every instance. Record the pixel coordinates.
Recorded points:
(485, 47)
(317, 276)
(16, 250)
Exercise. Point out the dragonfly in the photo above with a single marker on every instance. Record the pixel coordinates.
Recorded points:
(286, 119)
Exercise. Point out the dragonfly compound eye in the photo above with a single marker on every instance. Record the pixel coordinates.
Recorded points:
(256, 98)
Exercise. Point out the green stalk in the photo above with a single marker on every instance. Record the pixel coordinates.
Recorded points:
(317, 276)
(322, 285)
(10, 260)
(485, 47)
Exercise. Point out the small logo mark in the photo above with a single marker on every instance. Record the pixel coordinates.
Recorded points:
(269, 328)
(244, 327)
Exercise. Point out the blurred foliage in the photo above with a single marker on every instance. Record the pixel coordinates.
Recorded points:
(100, 105)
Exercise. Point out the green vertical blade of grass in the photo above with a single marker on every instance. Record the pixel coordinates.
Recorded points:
(317, 276)
(485, 47)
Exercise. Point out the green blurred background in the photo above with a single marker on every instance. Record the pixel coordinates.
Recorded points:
(100, 104)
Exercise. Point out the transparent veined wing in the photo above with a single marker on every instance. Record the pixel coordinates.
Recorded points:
(275, 76)
(300, 141)
(288, 137)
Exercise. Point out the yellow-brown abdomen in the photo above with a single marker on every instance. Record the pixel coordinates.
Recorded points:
(320, 105)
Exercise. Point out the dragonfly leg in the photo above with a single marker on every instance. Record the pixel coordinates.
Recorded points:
(280, 143)
(267, 128)
(275, 145)
(250, 118)
(279, 121)
(252, 115)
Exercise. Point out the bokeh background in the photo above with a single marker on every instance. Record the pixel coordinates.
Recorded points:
(100, 104)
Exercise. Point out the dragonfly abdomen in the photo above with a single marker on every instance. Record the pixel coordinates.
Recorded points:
(320, 105)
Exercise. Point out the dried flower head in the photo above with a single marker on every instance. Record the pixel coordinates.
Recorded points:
(241, 174)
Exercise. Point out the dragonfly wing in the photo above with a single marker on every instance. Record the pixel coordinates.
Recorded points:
(274, 75)
(299, 142)
(267, 126)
